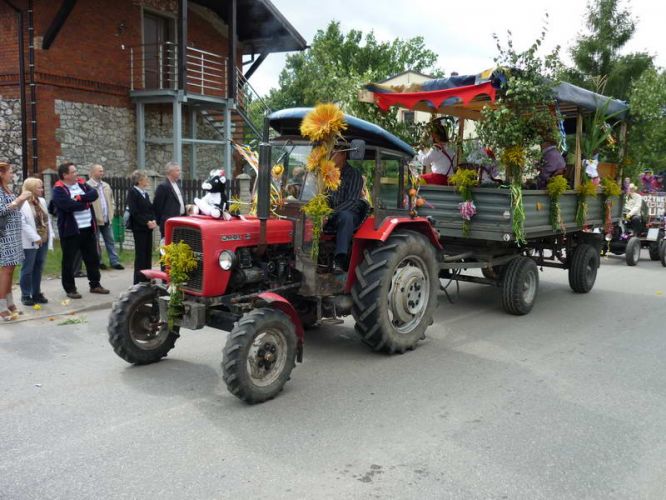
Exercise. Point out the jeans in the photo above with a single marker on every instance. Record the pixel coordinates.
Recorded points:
(107, 234)
(85, 243)
(31, 271)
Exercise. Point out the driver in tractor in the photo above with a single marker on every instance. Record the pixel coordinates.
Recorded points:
(349, 209)
(633, 203)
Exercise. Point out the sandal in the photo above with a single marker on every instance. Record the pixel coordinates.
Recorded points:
(15, 312)
(6, 315)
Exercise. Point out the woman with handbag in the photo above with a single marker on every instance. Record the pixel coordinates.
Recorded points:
(37, 236)
(11, 249)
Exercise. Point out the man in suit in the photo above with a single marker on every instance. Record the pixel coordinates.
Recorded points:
(142, 223)
(168, 197)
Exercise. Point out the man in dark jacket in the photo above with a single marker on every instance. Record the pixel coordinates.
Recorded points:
(168, 200)
(72, 199)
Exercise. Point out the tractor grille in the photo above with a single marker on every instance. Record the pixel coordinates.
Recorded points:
(192, 237)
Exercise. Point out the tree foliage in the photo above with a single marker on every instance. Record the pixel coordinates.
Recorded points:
(647, 135)
(337, 64)
(598, 52)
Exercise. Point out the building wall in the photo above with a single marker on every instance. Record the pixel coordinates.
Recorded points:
(86, 70)
(10, 132)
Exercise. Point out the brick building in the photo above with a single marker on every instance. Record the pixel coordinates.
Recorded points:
(131, 83)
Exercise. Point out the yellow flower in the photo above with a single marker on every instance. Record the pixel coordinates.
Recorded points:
(323, 122)
(514, 156)
(317, 154)
(278, 170)
(330, 174)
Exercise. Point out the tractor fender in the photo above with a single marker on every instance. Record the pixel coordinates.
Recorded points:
(280, 303)
(368, 234)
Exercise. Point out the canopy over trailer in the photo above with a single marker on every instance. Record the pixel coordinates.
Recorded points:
(465, 97)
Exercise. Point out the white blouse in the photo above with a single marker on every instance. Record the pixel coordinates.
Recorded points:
(440, 161)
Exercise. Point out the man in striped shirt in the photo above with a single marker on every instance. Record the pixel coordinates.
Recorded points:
(349, 208)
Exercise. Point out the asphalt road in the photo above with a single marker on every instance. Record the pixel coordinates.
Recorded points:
(567, 402)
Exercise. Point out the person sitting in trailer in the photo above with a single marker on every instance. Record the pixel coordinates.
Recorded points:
(439, 159)
(552, 164)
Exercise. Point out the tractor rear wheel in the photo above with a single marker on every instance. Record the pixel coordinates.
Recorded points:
(633, 251)
(520, 283)
(395, 292)
(583, 268)
(259, 355)
(135, 330)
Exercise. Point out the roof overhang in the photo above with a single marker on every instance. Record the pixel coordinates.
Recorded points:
(261, 27)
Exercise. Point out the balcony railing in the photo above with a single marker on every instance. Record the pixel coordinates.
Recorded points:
(155, 67)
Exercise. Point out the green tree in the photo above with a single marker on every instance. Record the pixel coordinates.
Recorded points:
(597, 53)
(337, 64)
(647, 134)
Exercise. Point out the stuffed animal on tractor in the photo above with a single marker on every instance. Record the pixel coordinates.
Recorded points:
(215, 202)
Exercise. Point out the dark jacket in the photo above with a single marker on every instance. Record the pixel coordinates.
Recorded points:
(166, 203)
(65, 207)
(140, 209)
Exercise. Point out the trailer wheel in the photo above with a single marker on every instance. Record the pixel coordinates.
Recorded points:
(633, 251)
(662, 252)
(135, 331)
(519, 285)
(396, 292)
(259, 355)
(583, 268)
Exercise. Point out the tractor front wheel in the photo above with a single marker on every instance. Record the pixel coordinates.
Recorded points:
(259, 355)
(135, 330)
(633, 251)
(396, 292)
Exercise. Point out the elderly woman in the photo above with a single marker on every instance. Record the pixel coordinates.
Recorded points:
(141, 222)
(37, 236)
(11, 252)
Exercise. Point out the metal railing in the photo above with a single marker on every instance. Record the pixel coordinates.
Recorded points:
(155, 67)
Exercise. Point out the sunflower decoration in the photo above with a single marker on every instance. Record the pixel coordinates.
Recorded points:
(323, 125)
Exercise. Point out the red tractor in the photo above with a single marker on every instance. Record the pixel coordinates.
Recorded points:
(256, 278)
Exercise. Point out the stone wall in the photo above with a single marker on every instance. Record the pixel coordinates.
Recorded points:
(10, 133)
(90, 133)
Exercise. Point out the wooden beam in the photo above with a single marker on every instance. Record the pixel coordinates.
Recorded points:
(232, 23)
(182, 45)
(459, 142)
(623, 149)
(255, 65)
(57, 23)
(579, 154)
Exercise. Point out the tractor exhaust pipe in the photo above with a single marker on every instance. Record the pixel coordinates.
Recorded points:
(264, 190)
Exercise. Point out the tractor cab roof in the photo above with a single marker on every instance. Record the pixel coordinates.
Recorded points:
(287, 122)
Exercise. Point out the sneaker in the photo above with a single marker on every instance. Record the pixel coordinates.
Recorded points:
(120, 267)
(103, 266)
(40, 299)
(74, 295)
(27, 301)
(99, 289)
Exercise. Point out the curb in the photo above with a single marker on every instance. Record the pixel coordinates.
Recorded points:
(88, 308)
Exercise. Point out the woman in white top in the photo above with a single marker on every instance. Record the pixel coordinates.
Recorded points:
(440, 159)
(37, 237)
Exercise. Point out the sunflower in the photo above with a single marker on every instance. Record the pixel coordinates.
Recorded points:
(330, 174)
(317, 154)
(323, 122)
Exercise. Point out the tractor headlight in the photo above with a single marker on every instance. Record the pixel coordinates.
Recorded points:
(226, 260)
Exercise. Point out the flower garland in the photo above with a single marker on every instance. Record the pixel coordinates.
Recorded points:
(556, 186)
(514, 158)
(465, 180)
(323, 125)
(585, 190)
(179, 260)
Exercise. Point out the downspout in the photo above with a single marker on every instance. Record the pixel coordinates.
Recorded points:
(24, 112)
(33, 97)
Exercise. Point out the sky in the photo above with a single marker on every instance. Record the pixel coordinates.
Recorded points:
(460, 32)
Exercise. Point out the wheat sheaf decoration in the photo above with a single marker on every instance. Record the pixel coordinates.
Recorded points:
(322, 126)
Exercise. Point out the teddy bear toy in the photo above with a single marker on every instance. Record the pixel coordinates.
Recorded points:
(215, 202)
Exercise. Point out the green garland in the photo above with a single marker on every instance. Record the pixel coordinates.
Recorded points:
(556, 186)
(609, 189)
(179, 260)
(585, 190)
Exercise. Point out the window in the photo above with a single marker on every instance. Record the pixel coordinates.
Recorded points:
(408, 116)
